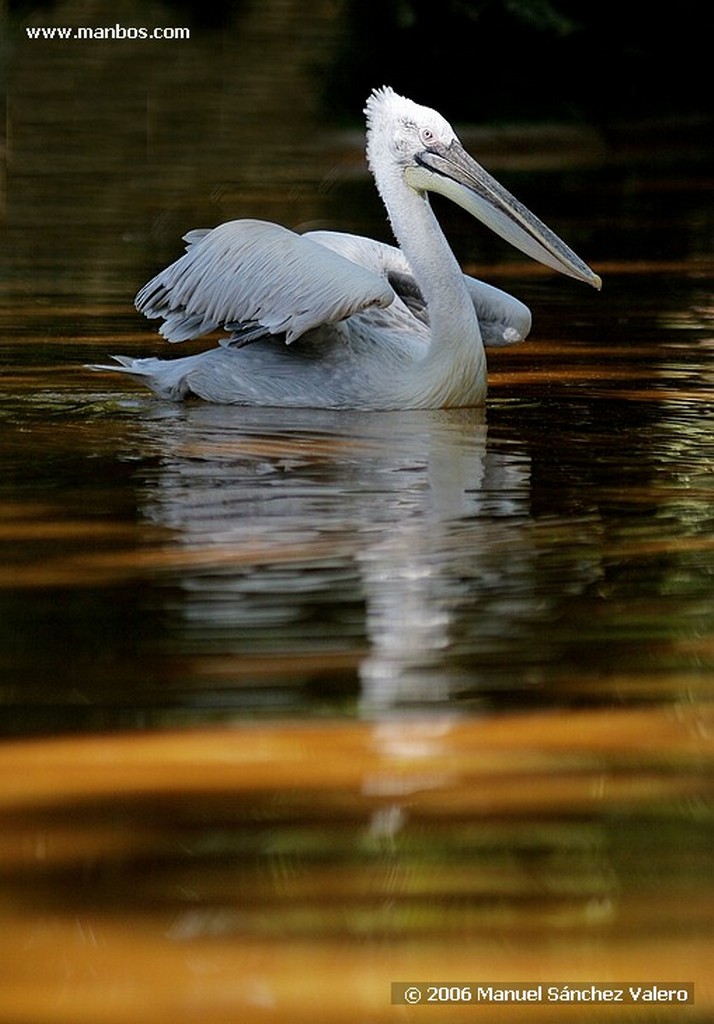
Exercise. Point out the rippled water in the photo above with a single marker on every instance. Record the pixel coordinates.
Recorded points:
(299, 704)
(209, 561)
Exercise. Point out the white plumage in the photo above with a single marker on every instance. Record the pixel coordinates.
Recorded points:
(331, 320)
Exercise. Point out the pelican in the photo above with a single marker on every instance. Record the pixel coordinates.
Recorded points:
(332, 320)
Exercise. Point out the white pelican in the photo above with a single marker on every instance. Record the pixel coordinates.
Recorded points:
(331, 320)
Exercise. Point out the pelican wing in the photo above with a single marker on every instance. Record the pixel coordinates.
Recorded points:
(410, 293)
(503, 319)
(253, 274)
(386, 260)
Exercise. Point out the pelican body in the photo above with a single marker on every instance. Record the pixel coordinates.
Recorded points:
(332, 320)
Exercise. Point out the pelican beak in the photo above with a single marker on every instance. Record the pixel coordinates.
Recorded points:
(450, 171)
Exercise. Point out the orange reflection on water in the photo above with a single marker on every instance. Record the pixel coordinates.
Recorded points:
(292, 872)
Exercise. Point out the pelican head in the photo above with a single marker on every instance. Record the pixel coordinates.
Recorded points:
(415, 144)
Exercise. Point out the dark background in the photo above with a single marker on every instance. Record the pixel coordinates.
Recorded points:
(493, 60)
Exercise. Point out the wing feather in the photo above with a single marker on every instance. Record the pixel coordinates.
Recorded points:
(503, 319)
(257, 273)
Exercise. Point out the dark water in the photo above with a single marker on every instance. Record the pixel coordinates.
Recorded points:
(299, 704)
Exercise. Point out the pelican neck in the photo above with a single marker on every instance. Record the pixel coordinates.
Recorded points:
(452, 317)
